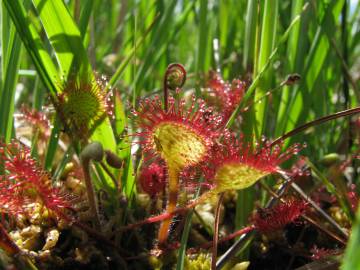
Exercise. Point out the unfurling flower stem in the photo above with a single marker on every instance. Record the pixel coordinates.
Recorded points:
(175, 77)
(171, 204)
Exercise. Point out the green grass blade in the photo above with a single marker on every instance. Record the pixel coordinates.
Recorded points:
(11, 50)
(86, 11)
(351, 260)
(296, 53)
(64, 36)
(52, 145)
(267, 43)
(33, 44)
(250, 31)
(160, 33)
(256, 80)
(202, 50)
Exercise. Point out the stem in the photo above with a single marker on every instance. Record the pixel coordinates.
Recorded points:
(216, 232)
(316, 122)
(91, 194)
(238, 233)
(169, 215)
(172, 81)
(171, 204)
(111, 175)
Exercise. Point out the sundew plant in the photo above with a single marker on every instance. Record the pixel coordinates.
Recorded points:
(179, 134)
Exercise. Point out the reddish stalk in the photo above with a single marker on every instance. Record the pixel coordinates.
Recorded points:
(316, 122)
(171, 204)
(230, 236)
(216, 232)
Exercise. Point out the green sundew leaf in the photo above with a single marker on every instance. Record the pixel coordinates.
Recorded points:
(351, 260)
(10, 66)
(64, 36)
(33, 44)
(66, 40)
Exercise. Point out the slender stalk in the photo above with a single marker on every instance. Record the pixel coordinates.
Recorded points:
(91, 194)
(171, 204)
(216, 232)
(111, 175)
(237, 233)
(315, 123)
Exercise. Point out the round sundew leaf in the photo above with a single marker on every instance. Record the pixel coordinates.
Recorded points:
(236, 176)
(179, 145)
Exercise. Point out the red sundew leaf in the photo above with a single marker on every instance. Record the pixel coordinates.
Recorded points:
(152, 178)
(180, 125)
(235, 164)
(35, 118)
(23, 177)
(275, 218)
(223, 95)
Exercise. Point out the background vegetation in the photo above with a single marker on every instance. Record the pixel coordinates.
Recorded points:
(132, 43)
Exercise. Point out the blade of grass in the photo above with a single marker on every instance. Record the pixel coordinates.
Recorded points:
(86, 10)
(64, 36)
(203, 39)
(52, 145)
(185, 235)
(296, 53)
(33, 44)
(267, 43)
(119, 71)
(161, 31)
(255, 82)
(250, 31)
(351, 260)
(11, 50)
(298, 110)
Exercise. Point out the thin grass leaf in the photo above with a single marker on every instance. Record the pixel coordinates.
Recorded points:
(267, 43)
(33, 44)
(52, 145)
(86, 10)
(351, 259)
(255, 82)
(11, 50)
(64, 36)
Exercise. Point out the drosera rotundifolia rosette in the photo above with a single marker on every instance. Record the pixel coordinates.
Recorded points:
(194, 136)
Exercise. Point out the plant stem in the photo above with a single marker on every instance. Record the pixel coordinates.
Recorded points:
(171, 204)
(216, 232)
(91, 194)
(175, 77)
(315, 123)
